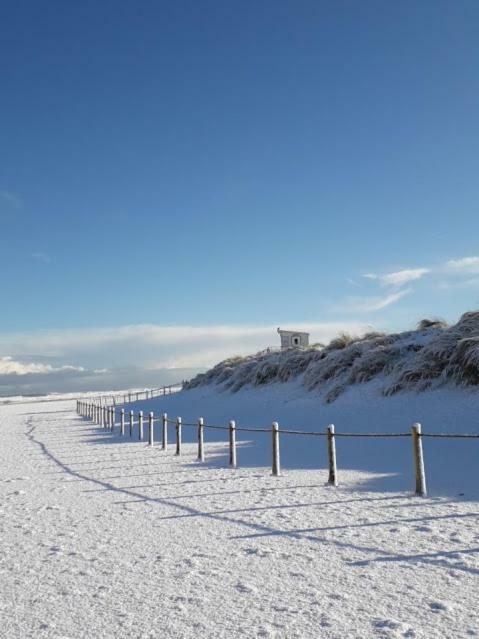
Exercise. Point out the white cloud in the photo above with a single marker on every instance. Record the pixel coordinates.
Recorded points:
(10, 366)
(399, 278)
(464, 265)
(42, 257)
(372, 304)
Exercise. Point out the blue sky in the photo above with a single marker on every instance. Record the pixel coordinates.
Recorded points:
(237, 165)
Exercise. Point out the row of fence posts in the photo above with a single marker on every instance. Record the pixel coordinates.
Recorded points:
(135, 396)
(105, 417)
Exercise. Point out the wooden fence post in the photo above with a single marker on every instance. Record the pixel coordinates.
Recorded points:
(132, 419)
(421, 490)
(122, 422)
(333, 472)
(112, 419)
(276, 468)
(140, 425)
(201, 443)
(164, 444)
(232, 434)
(150, 429)
(178, 436)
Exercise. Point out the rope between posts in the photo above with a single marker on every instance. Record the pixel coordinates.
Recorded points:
(446, 435)
(300, 432)
(372, 434)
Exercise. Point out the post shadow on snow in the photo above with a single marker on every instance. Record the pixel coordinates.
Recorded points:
(259, 529)
(46, 412)
(389, 459)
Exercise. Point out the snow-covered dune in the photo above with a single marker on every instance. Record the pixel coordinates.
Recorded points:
(432, 356)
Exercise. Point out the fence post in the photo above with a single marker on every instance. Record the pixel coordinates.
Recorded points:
(103, 421)
(276, 468)
(232, 444)
(150, 429)
(131, 423)
(140, 425)
(421, 490)
(122, 421)
(201, 443)
(112, 420)
(164, 443)
(333, 471)
(178, 435)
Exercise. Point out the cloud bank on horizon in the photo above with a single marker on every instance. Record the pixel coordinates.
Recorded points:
(132, 356)
(148, 355)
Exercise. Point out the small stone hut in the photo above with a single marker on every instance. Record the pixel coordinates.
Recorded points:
(293, 339)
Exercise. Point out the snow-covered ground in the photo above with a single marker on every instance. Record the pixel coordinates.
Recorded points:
(106, 537)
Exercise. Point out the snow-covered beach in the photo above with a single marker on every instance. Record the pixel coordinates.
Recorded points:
(107, 537)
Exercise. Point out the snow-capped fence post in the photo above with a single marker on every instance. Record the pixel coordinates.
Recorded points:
(333, 471)
(103, 417)
(276, 469)
(132, 418)
(232, 433)
(201, 443)
(421, 490)
(140, 425)
(122, 422)
(150, 429)
(164, 443)
(178, 436)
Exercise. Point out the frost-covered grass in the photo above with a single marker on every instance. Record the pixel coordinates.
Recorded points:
(432, 356)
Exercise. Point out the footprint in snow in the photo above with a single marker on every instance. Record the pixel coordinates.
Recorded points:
(245, 588)
(437, 607)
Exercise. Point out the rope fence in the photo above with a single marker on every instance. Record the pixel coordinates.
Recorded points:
(105, 416)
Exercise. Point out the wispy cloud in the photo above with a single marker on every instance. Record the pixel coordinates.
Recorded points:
(464, 265)
(10, 199)
(468, 283)
(399, 278)
(372, 304)
(42, 257)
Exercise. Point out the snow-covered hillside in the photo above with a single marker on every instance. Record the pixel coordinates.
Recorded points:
(434, 355)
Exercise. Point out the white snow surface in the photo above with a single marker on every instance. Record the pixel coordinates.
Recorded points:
(103, 536)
